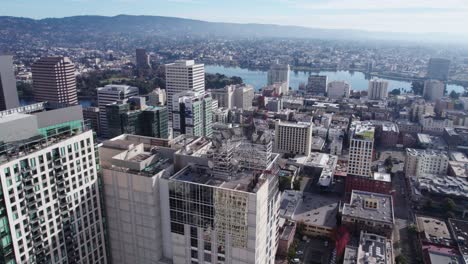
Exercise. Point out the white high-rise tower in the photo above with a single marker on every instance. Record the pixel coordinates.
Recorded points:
(183, 75)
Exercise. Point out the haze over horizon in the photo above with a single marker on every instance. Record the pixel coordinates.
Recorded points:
(416, 16)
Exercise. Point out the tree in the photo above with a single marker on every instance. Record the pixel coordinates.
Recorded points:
(417, 87)
(412, 229)
(454, 95)
(429, 204)
(388, 163)
(297, 184)
(449, 204)
(400, 259)
(284, 183)
(395, 92)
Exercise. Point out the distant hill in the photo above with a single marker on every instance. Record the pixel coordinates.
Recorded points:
(85, 29)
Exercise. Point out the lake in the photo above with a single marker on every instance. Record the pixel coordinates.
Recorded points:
(358, 81)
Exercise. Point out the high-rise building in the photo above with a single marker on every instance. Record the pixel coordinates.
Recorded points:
(192, 114)
(361, 149)
(438, 69)
(220, 215)
(317, 85)
(125, 118)
(424, 161)
(377, 90)
(91, 116)
(8, 93)
(243, 96)
(54, 81)
(111, 94)
(370, 246)
(142, 59)
(433, 90)
(51, 202)
(338, 90)
(293, 138)
(157, 97)
(224, 96)
(183, 75)
(279, 73)
(132, 170)
(234, 96)
(371, 212)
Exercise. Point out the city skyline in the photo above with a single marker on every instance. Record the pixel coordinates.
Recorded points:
(392, 16)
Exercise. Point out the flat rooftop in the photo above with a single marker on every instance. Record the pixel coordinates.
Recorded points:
(246, 180)
(362, 130)
(374, 249)
(312, 209)
(297, 125)
(382, 176)
(442, 255)
(435, 230)
(370, 206)
(425, 152)
(460, 231)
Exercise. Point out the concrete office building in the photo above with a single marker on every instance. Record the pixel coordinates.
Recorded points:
(243, 96)
(293, 138)
(338, 90)
(438, 69)
(370, 248)
(110, 94)
(224, 96)
(51, 206)
(377, 90)
(132, 167)
(183, 75)
(317, 85)
(8, 93)
(279, 73)
(142, 59)
(192, 114)
(419, 162)
(54, 81)
(157, 97)
(221, 217)
(361, 149)
(234, 96)
(370, 212)
(433, 90)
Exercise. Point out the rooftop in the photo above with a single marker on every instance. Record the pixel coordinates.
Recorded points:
(243, 179)
(442, 255)
(370, 206)
(360, 130)
(382, 176)
(460, 231)
(371, 249)
(435, 230)
(425, 152)
(312, 209)
(441, 185)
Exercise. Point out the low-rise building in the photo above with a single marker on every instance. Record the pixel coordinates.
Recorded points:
(431, 142)
(379, 183)
(370, 248)
(433, 231)
(425, 161)
(459, 230)
(371, 212)
(316, 212)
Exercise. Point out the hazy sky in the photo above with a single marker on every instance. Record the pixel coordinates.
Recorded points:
(449, 16)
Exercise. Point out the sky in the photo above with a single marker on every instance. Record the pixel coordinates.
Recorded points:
(422, 16)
